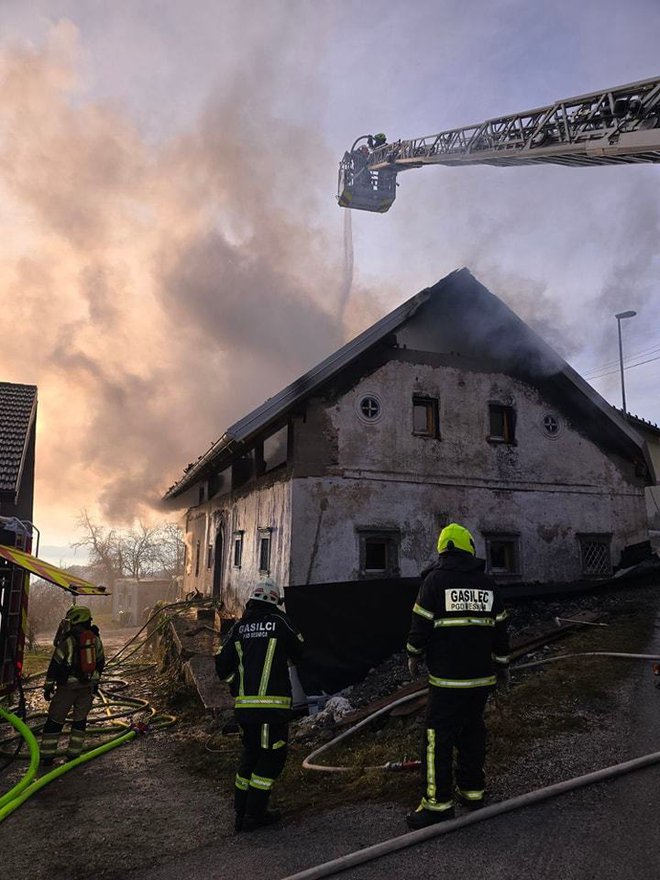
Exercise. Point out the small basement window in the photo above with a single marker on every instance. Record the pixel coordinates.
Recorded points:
(502, 423)
(238, 549)
(425, 416)
(379, 553)
(595, 552)
(502, 554)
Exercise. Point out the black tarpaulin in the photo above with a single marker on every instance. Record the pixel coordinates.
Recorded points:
(349, 627)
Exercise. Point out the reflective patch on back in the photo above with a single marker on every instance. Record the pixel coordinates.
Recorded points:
(468, 599)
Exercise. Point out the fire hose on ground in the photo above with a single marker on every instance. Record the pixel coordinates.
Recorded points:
(115, 710)
(402, 841)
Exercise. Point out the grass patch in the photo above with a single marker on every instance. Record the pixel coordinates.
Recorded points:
(36, 661)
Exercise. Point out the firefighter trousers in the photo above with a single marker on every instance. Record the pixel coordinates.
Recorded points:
(454, 721)
(76, 696)
(262, 761)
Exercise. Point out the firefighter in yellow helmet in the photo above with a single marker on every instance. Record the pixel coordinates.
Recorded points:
(72, 680)
(459, 628)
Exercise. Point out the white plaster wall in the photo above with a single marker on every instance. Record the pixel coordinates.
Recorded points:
(326, 512)
(544, 489)
(267, 507)
(463, 453)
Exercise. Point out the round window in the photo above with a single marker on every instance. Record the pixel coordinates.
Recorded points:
(369, 408)
(551, 425)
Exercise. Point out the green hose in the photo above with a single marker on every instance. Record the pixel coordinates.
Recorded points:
(33, 746)
(19, 799)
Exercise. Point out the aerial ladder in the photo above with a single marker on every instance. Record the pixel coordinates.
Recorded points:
(612, 127)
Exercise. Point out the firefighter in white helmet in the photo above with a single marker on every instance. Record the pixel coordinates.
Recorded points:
(459, 628)
(72, 680)
(254, 660)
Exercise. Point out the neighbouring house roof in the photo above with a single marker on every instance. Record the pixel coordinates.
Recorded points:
(468, 320)
(18, 406)
(642, 424)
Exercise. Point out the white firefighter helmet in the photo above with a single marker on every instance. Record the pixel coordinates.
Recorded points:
(267, 590)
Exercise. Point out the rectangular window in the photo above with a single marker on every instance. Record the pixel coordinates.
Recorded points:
(275, 449)
(379, 552)
(595, 552)
(238, 549)
(502, 425)
(197, 552)
(264, 550)
(201, 493)
(503, 554)
(425, 416)
(209, 556)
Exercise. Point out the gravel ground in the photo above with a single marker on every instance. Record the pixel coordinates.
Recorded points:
(139, 811)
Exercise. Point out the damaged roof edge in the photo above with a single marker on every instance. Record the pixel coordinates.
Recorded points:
(303, 387)
(275, 407)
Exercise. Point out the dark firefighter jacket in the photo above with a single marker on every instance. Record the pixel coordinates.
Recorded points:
(65, 663)
(255, 661)
(459, 623)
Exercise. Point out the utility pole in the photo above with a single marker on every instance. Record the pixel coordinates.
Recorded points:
(619, 317)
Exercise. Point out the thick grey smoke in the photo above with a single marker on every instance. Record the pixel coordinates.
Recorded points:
(161, 291)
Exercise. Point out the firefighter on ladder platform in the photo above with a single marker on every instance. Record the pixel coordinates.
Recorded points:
(459, 628)
(72, 680)
(254, 661)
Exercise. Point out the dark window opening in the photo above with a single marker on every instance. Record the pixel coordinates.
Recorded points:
(197, 552)
(209, 556)
(595, 552)
(370, 407)
(502, 423)
(425, 417)
(379, 553)
(275, 449)
(264, 553)
(238, 549)
(243, 469)
(502, 554)
(202, 494)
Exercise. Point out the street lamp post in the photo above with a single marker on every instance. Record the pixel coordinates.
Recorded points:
(619, 317)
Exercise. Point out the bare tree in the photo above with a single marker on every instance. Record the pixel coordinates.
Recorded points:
(138, 552)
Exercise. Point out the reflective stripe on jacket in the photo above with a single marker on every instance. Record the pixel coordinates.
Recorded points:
(255, 662)
(459, 623)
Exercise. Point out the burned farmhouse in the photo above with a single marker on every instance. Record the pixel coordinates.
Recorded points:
(449, 408)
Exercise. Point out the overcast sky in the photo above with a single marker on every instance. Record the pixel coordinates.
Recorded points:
(171, 253)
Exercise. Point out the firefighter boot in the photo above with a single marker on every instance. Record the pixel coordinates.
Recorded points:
(76, 739)
(52, 730)
(240, 803)
(470, 800)
(422, 818)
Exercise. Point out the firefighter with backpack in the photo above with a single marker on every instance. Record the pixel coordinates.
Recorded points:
(72, 680)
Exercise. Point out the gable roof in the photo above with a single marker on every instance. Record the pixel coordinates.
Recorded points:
(18, 406)
(458, 315)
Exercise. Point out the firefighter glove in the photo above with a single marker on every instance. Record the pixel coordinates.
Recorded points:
(414, 667)
(49, 689)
